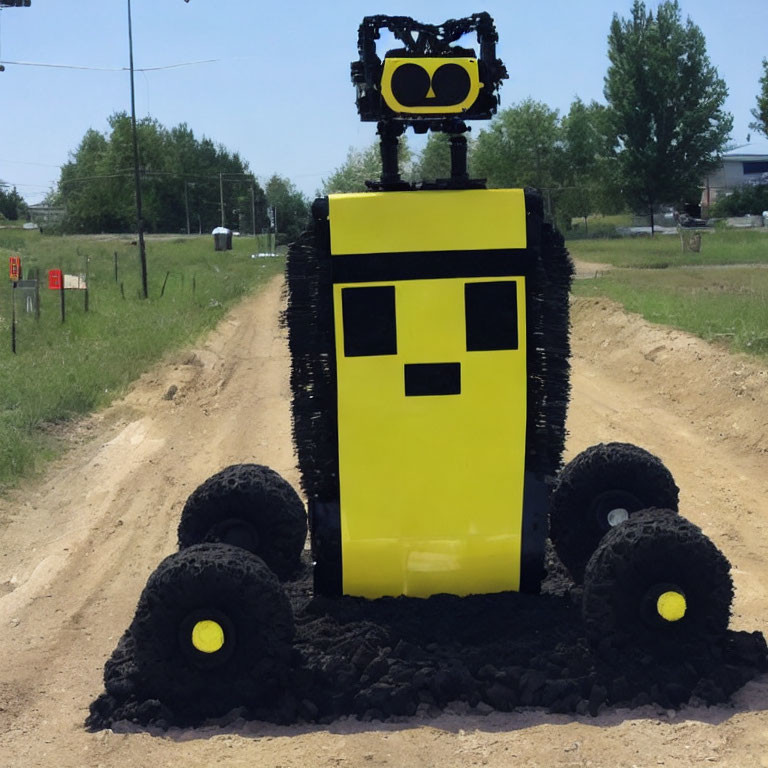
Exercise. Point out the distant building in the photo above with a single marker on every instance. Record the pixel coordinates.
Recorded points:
(46, 215)
(747, 164)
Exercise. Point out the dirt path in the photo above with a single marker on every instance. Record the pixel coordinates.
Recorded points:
(588, 269)
(75, 552)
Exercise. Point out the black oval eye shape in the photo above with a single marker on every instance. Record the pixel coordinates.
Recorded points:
(410, 85)
(451, 84)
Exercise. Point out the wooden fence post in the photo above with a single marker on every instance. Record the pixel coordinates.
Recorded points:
(13, 318)
(85, 298)
(62, 300)
(37, 294)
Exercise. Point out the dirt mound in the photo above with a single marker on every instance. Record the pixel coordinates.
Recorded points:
(725, 396)
(398, 656)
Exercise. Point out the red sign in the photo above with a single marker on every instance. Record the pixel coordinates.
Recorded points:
(55, 279)
(14, 266)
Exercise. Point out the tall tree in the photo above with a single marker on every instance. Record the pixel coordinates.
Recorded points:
(363, 165)
(434, 161)
(666, 103)
(91, 187)
(588, 168)
(521, 147)
(12, 205)
(291, 207)
(760, 112)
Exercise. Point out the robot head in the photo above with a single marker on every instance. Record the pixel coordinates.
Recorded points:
(429, 80)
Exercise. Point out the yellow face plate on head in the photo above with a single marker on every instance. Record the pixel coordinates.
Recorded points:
(426, 69)
(671, 606)
(208, 636)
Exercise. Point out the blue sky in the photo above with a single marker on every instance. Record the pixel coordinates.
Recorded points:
(278, 91)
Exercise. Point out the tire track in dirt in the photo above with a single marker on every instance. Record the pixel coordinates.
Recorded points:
(76, 550)
(86, 540)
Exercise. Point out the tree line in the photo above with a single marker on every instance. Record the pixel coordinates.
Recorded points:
(183, 178)
(12, 205)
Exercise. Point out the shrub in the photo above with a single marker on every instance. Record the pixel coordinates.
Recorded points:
(742, 201)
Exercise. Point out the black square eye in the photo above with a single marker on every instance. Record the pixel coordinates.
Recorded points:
(491, 315)
(369, 321)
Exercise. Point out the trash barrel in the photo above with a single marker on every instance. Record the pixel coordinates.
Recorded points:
(222, 239)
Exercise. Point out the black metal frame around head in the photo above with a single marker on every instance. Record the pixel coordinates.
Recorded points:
(420, 42)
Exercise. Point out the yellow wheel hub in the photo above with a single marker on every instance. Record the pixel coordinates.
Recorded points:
(671, 606)
(207, 636)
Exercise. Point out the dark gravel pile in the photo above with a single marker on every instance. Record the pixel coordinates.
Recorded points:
(399, 656)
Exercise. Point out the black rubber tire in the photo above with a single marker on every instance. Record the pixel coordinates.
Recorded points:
(601, 478)
(650, 553)
(250, 506)
(234, 588)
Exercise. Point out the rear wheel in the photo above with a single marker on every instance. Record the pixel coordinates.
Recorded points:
(212, 631)
(248, 506)
(600, 489)
(656, 582)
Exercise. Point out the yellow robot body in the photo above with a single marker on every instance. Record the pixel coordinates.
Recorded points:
(431, 390)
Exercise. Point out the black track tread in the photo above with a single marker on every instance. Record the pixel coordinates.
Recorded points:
(258, 495)
(227, 579)
(602, 467)
(558, 269)
(655, 547)
(309, 319)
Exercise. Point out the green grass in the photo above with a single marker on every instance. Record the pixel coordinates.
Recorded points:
(717, 247)
(728, 305)
(62, 371)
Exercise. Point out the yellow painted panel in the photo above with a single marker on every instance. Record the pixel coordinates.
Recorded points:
(427, 220)
(431, 486)
(430, 65)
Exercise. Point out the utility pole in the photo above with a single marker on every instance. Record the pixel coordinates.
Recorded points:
(186, 204)
(253, 207)
(221, 196)
(139, 217)
(274, 228)
(136, 176)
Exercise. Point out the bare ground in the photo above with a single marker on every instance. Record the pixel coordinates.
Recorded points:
(77, 548)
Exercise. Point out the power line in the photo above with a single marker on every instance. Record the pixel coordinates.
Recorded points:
(29, 162)
(108, 69)
(201, 178)
(14, 184)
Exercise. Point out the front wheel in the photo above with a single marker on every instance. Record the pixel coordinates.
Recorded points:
(212, 631)
(657, 583)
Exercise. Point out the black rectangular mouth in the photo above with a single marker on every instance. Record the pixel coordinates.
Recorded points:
(432, 379)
